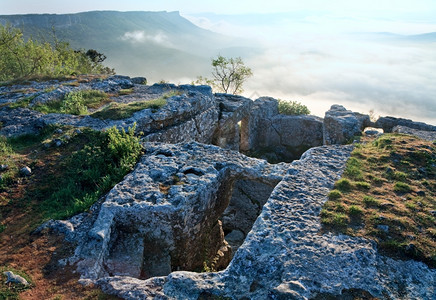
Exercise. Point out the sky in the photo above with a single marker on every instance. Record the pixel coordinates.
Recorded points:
(384, 8)
(318, 57)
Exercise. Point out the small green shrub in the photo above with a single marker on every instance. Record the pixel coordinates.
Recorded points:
(292, 108)
(343, 185)
(334, 195)
(401, 187)
(93, 171)
(74, 103)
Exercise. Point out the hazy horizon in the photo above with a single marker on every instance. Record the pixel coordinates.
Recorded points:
(315, 52)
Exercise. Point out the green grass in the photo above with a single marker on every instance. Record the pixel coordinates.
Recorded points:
(75, 103)
(401, 187)
(353, 169)
(390, 180)
(370, 201)
(22, 103)
(362, 185)
(355, 210)
(343, 185)
(335, 194)
(92, 171)
(400, 176)
(125, 92)
(76, 174)
(118, 111)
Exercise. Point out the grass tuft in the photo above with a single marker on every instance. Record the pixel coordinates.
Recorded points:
(334, 195)
(118, 111)
(401, 187)
(344, 185)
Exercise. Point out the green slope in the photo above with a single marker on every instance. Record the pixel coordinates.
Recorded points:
(167, 46)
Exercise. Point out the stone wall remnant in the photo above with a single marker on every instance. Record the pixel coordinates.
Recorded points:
(340, 125)
(388, 123)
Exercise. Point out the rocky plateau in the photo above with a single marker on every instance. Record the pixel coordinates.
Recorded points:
(198, 218)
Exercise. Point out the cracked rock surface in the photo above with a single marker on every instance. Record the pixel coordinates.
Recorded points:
(190, 114)
(285, 257)
(164, 216)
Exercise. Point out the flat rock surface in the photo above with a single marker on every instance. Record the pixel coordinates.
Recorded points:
(189, 114)
(423, 134)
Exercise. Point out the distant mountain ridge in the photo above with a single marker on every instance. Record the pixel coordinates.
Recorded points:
(136, 43)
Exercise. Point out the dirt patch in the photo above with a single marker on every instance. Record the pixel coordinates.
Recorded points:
(37, 255)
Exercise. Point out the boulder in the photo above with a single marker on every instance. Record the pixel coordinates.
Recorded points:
(277, 137)
(14, 278)
(340, 125)
(25, 171)
(263, 109)
(232, 110)
(388, 123)
(288, 137)
(139, 80)
(423, 134)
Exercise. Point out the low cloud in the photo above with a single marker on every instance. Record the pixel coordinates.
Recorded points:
(140, 36)
(322, 60)
(391, 78)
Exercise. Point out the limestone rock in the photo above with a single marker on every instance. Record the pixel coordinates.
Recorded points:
(277, 136)
(25, 171)
(340, 125)
(262, 111)
(285, 257)
(14, 278)
(191, 114)
(364, 121)
(291, 136)
(388, 123)
(139, 80)
(20, 122)
(423, 134)
(166, 214)
(232, 110)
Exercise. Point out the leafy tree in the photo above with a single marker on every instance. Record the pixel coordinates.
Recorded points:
(21, 59)
(95, 56)
(229, 74)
